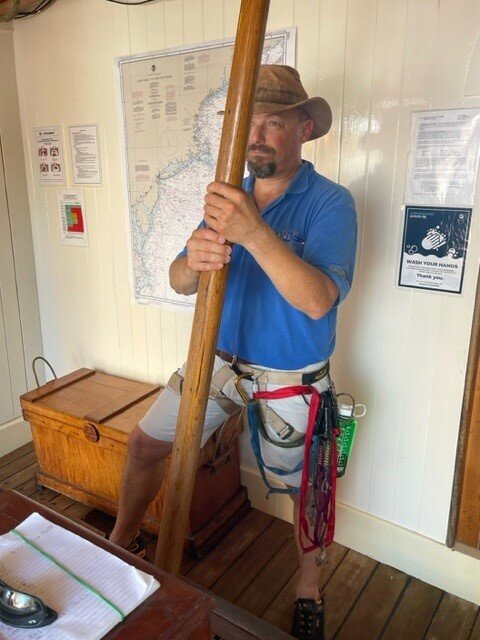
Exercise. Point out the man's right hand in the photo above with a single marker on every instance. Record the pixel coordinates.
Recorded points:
(207, 250)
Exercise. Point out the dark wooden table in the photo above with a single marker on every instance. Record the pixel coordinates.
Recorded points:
(176, 611)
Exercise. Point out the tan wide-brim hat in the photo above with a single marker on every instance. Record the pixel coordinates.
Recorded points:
(279, 88)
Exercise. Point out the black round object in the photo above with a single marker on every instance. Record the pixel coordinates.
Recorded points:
(19, 609)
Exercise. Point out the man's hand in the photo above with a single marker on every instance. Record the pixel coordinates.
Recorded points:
(232, 213)
(207, 250)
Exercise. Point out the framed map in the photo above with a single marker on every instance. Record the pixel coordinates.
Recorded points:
(171, 129)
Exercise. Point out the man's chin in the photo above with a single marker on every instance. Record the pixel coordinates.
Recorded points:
(261, 169)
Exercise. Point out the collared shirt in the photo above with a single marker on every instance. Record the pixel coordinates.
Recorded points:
(316, 218)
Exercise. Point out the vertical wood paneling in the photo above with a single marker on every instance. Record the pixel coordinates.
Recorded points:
(360, 328)
(420, 42)
(330, 85)
(401, 352)
(11, 345)
(101, 217)
(28, 67)
(8, 341)
(184, 327)
(7, 410)
(282, 14)
(306, 18)
(153, 331)
(20, 297)
(174, 23)
(137, 28)
(457, 29)
(472, 80)
(193, 20)
(378, 266)
(213, 19)
(330, 81)
(231, 9)
(155, 25)
(169, 342)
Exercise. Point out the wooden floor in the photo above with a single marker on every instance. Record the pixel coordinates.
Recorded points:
(255, 567)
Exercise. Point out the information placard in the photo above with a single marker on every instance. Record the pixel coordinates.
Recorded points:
(444, 154)
(85, 154)
(51, 167)
(434, 248)
(71, 213)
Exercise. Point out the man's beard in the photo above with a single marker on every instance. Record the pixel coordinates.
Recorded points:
(259, 167)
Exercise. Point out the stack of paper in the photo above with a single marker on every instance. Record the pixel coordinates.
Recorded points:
(90, 589)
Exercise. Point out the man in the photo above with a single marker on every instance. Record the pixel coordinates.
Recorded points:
(293, 236)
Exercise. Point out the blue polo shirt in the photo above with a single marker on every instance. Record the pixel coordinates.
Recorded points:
(316, 218)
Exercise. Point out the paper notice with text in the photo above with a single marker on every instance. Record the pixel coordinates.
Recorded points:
(71, 214)
(85, 154)
(50, 161)
(443, 161)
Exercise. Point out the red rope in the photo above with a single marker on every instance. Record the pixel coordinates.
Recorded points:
(315, 407)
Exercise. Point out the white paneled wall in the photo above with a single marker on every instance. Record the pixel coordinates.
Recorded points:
(20, 339)
(402, 352)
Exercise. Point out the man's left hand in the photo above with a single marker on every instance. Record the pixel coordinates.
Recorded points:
(231, 212)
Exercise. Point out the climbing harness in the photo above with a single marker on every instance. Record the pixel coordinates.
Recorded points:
(319, 464)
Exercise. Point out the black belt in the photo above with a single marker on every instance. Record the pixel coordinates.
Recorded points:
(307, 378)
(231, 359)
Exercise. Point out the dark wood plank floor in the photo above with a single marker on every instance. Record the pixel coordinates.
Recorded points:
(255, 567)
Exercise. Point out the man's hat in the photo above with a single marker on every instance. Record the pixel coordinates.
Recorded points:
(279, 88)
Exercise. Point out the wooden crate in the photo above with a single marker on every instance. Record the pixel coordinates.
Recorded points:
(80, 425)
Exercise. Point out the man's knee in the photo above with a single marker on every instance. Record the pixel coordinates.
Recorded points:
(144, 449)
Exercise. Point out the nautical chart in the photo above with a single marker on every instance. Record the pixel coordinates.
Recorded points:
(171, 132)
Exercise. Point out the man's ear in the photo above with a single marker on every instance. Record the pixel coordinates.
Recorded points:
(307, 130)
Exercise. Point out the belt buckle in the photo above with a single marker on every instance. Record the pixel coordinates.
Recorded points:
(288, 429)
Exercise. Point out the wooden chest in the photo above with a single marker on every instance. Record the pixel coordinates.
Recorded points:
(80, 425)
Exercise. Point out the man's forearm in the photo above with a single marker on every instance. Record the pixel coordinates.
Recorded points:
(304, 286)
(182, 279)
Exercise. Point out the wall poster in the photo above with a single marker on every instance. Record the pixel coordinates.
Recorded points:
(49, 154)
(434, 248)
(443, 160)
(73, 223)
(85, 154)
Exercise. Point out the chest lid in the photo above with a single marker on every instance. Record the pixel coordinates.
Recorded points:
(89, 396)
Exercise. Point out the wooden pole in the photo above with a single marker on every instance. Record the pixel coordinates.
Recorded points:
(211, 291)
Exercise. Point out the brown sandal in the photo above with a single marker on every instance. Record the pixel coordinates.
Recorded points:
(138, 546)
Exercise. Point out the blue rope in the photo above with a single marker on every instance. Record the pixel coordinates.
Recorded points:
(253, 410)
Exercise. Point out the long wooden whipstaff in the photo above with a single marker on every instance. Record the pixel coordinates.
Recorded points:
(211, 291)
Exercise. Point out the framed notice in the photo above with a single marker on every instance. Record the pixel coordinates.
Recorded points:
(49, 159)
(71, 213)
(434, 248)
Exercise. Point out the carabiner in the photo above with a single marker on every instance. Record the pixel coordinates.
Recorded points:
(240, 389)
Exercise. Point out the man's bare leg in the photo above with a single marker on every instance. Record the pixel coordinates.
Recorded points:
(309, 563)
(141, 480)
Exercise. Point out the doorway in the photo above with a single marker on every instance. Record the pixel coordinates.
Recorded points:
(464, 523)
(12, 366)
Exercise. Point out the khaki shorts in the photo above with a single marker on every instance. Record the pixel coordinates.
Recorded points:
(161, 420)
